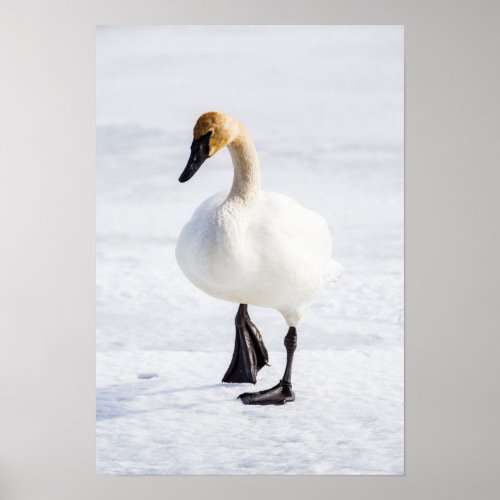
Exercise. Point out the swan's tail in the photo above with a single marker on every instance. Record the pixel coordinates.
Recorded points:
(334, 271)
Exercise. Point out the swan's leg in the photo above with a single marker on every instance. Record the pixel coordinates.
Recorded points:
(281, 393)
(250, 353)
(257, 342)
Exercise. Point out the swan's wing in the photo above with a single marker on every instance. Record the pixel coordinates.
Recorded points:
(289, 221)
(286, 228)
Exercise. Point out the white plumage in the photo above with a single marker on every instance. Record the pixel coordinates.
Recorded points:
(251, 246)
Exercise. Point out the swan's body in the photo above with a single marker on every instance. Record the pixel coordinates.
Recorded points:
(270, 253)
(253, 247)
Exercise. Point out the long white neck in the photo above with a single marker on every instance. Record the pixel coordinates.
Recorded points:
(246, 180)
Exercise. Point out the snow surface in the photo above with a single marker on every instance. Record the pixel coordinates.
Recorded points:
(325, 108)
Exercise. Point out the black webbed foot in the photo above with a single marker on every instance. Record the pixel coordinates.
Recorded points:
(250, 353)
(278, 395)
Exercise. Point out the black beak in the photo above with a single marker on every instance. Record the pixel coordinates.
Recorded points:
(199, 153)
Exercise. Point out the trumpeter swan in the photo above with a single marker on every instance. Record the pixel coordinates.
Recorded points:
(253, 247)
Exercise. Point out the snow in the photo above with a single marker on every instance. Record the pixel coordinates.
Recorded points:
(325, 107)
(185, 422)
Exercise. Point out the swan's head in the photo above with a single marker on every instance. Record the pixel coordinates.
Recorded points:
(211, 133)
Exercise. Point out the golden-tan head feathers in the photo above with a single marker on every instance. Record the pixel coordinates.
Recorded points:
(223, 129)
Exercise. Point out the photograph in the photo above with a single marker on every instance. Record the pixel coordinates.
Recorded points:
(250, 250)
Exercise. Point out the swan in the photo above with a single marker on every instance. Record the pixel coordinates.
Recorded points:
(253, 247)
